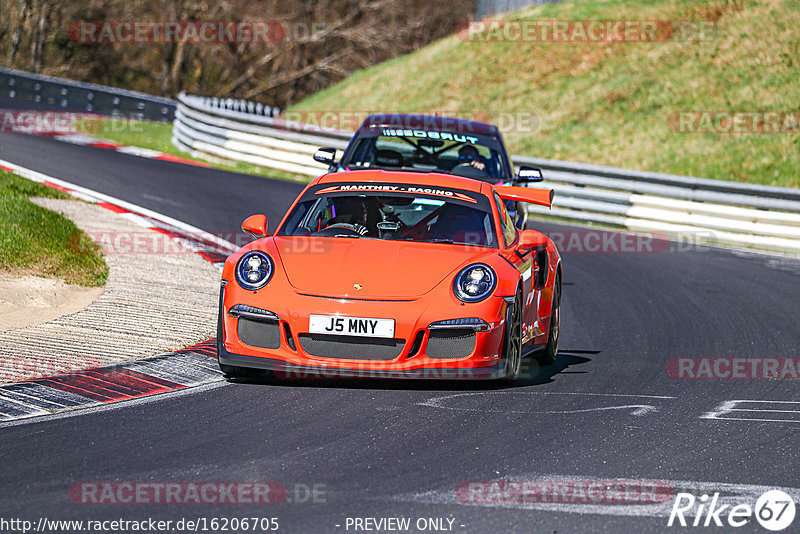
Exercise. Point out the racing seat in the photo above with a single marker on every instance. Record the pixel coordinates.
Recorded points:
(460, 224)
(388, 158)
(356, 210)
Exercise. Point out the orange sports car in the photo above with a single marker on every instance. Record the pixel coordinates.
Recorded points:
(395, 275)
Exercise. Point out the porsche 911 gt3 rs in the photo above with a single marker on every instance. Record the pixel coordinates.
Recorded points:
(396, 275)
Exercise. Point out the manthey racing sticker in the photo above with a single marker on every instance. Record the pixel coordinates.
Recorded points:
(386, 188)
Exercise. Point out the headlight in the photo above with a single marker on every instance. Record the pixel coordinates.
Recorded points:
(469, 323)
(474, 283)
(254, 270)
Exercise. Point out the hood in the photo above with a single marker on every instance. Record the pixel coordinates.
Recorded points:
(384, 269)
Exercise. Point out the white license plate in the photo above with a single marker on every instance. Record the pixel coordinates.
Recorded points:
(351, 326)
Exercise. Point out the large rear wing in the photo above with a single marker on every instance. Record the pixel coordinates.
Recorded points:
(543, 197)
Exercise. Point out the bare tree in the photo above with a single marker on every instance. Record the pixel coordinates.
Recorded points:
(40, 36)
(324, 42)
(26, 8)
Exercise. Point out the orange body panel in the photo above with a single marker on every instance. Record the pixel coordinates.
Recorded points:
(543, 197)
(408, 282)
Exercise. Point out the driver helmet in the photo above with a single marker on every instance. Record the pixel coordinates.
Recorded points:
(467, 154)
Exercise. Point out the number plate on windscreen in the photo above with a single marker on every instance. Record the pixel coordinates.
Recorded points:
(351, 326)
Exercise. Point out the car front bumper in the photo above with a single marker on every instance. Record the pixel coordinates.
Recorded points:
(287, 350)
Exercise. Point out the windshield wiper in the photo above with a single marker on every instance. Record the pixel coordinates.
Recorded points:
(451, 242)
(390, 168)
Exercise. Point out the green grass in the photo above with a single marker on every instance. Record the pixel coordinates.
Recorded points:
(158, 136)
(610, 103)
(40, 242)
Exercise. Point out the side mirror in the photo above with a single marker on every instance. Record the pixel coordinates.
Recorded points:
(256, 225)
(531, 239)
(529, 174)
(326, 156)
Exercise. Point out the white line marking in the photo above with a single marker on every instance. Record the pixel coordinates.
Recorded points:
(78, 139)
(137, 151)
(602, 394)
(637, 409)
(772, 411)
(730, 494)
(94, 196)
(731, 406)
(102, 407)
(28, 409)
(767, 401)
(136, 219)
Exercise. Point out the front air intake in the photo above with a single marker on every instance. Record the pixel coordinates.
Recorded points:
(259, 334)
(351, 347)
(447, 344)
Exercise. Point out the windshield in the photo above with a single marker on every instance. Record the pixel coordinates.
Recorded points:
(470, 155)
(396, 216)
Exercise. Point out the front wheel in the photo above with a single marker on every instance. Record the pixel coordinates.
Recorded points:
(548, 356)
(512, 347)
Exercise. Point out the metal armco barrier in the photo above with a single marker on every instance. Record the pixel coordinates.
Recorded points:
(732, 213)
(233, 130)
(25, 89)
(488, 8)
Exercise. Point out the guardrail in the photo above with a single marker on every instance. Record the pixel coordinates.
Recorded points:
(732, 213)
(488, 8)
(68, 95)
(228, 130)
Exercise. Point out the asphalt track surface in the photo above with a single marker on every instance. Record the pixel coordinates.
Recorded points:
(606, 410)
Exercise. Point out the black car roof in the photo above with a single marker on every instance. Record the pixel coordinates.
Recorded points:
(410, 121)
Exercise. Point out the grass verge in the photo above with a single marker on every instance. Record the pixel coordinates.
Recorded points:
(37, 241)
(613, 103)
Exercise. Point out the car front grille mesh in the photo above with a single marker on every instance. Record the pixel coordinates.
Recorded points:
(259, 334)
(351, 347)
(446, 344)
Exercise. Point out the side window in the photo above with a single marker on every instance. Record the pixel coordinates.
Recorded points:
(360, 155)
(509, 230)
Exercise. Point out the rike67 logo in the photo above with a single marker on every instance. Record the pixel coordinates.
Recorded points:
(774, 510)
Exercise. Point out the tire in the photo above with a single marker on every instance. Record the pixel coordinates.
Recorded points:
(512, 345)
(550, 352)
